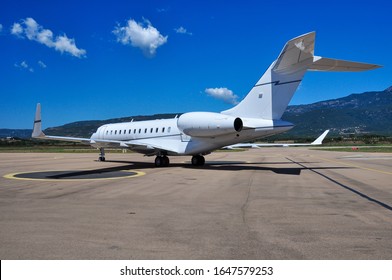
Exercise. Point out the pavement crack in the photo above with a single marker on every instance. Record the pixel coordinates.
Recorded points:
(245, 205)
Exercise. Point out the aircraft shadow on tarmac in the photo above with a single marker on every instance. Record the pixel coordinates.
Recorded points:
(110, 172)
(132, 167)
(129, 169)
(231, 166)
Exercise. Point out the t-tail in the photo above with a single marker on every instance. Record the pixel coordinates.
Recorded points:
(269, 98)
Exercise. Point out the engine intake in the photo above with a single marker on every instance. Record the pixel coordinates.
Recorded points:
(205, 124)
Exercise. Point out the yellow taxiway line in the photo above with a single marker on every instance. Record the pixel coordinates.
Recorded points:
(13, 176)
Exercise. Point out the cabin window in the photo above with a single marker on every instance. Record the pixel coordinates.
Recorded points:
(119, 132)
(151, 130)
(107, 132)
(111, 132)
(168, 129)
(163, 129)
(115, 132)
(129, 132)
(125, 131)
(145, 130)
(134, 131)
(140, 130)
(156, 130)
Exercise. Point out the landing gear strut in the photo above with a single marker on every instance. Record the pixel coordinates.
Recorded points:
(198, 160)
(162, 161)
(101, 154)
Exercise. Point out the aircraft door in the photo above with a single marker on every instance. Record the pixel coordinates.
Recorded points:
(102, 132)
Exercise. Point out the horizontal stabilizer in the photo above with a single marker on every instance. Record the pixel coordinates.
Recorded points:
(338, 65)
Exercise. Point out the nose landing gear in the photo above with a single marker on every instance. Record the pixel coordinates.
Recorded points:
(101, 154)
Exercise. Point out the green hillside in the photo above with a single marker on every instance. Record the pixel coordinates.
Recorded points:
(366, 113)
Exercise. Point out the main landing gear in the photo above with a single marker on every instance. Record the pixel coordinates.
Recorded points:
(162, 161)
(101, 154)
(198, 160)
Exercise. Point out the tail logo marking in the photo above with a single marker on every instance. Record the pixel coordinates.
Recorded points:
(278, 83)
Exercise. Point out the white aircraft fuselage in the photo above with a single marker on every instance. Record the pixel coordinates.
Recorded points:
(167, 134)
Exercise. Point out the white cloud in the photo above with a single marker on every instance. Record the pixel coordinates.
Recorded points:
(24, 66)
(182, 30)
(224, 94)
(140, 35)
(16, 29)
(30, 29)
(41, 64)
(65, 44)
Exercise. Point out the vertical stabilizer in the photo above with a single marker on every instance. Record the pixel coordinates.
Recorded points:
(269, 98)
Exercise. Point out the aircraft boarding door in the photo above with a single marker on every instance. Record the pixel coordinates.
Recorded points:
(102, 132)
(185, 138)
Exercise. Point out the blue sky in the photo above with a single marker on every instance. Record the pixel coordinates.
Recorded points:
(86, 60)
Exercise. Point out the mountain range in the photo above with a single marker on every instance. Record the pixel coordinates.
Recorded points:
(364, 113)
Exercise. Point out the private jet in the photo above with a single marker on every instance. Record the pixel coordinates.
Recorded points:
(197, 134)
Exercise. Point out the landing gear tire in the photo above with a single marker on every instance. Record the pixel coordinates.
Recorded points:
(162, 161)
(198, 160)
(166, 161)
(101, 158)
(158, 162)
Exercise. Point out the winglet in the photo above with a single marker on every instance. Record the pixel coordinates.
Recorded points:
(37, 130)
(320, 139)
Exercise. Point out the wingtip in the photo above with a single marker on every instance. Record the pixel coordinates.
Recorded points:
(321, 138)
(37, 128)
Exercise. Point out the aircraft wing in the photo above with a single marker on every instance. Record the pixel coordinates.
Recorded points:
(38, 133)
(316, 142)
(145, 148)
(137, 145)
(151, 147)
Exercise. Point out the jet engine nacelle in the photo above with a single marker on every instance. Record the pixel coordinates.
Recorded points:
(204, 124)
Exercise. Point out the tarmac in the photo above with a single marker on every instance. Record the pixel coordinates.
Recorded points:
(271, 203)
